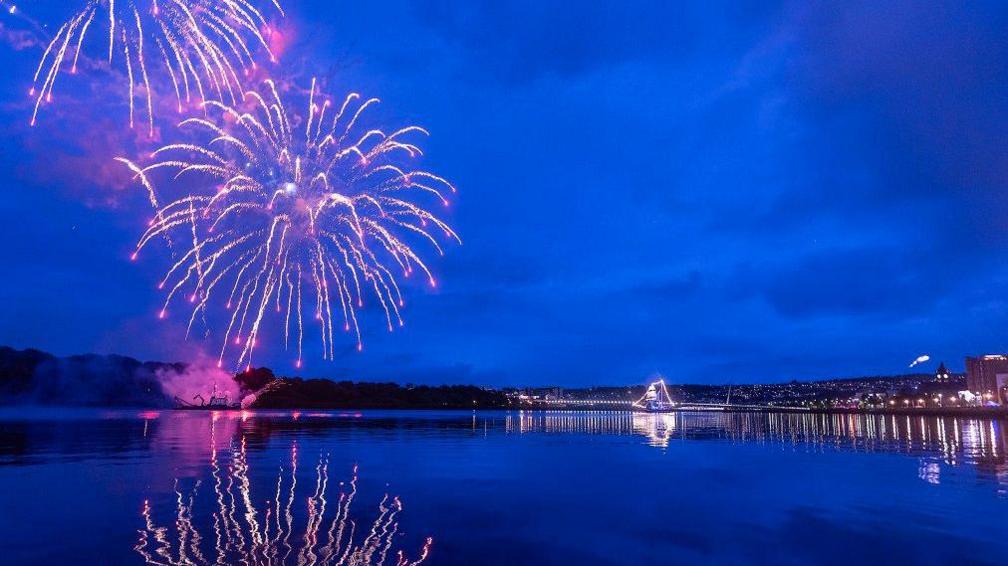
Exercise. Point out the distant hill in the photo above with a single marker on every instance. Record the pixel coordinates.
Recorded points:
(286, 393)
(32, 377)
(782, 393)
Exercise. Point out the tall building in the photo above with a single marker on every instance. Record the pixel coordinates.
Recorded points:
(988, 376)
(943, 375)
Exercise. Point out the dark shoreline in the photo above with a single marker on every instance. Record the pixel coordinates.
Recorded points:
(991, 412)
(996, 412)
(927, 412)
(976, 412)
(34, 378)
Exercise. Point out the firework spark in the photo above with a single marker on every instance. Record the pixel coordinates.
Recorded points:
(204, 45)
(293, 214)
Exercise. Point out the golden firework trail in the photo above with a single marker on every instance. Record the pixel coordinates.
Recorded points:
(268, 533)
(293, 216)
(204, 45)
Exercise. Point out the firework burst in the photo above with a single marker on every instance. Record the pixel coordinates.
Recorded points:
(204, 45)
(297, 215)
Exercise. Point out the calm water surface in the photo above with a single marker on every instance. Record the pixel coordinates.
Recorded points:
(128, 487)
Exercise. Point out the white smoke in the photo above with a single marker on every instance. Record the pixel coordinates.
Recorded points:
(198, 379)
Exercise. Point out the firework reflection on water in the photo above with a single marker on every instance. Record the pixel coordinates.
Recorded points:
(221, 520)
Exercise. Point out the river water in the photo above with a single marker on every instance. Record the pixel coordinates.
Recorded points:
(398, 487)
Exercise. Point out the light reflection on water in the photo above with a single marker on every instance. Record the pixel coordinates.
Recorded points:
(953, 440)
(555, 487)
(247, 532)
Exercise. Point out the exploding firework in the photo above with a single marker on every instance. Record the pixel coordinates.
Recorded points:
(301, 215)
(204, 45)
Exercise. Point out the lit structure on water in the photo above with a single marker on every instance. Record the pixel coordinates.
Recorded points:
(656, 399)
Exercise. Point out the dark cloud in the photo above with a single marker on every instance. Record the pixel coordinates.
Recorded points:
(908, 101)
(883, 281)
(521, 41)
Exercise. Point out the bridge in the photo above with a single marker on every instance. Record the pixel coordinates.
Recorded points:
(657, 399)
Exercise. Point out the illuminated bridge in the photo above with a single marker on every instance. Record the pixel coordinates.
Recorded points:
(656, 399)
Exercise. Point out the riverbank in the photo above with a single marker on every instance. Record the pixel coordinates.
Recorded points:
(926, 411)
(990, 412)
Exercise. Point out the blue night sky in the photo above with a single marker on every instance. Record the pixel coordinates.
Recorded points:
(717, 191)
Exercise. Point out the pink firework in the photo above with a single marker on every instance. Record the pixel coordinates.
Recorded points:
(205, 46)
(293, 218)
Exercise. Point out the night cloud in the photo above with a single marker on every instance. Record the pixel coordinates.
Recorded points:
(857, 282)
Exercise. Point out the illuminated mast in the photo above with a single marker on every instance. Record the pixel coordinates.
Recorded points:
(656, 398)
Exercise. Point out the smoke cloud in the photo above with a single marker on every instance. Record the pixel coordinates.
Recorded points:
(30, 377)
(198, 380)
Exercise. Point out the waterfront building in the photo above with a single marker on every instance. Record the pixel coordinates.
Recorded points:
(942, 375)
(987, 376)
